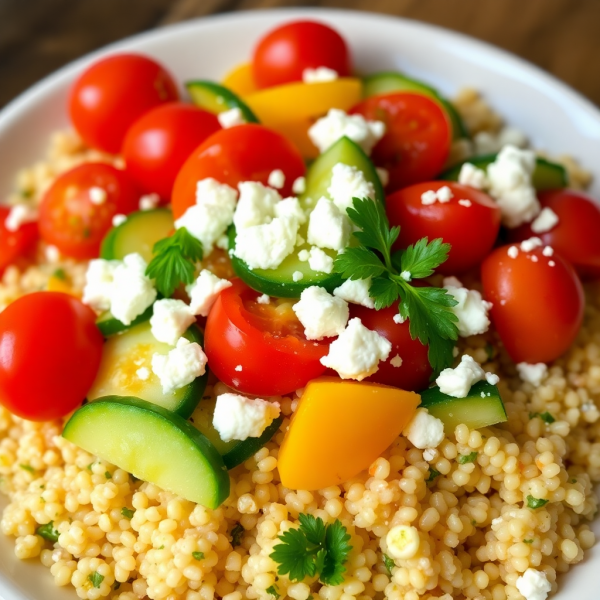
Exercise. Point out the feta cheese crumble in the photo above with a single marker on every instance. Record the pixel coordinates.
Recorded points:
(320, 261)
(97, 195)
(472, 176)
(52, 254)
(396, 361)
(347, 183)
(239, 368)
(299, 185)
(465, 203)
(143, 373)
(319, 75)
(276, 179)
(264, 299)
(457, 382)
(328, 226)
(443, 195)
(204, 291)
(180, 366)
(337, 124)
(548, 251)
(357, 351)
(545, 221)
(19, 215)
(208, 219)
(231, 118)
(534, 585)
(355, 291)
(170, 319)
(297, 276)
(321, 314)
(256, 205)
(471, 310)
(118, 220)
(532, 373)
(402, 542)
(397, 318)
(406, 275)
(149, 201)
(239, 418)
(513, 252)
(424, 430)
(531, 244)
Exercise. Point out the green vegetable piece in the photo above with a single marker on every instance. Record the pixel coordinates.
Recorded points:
(528, 541)
(96, 579)
(272, 590)
(216, 98)
(236, 534)
(27, 468)
(198, 555)
(433, 474)
(48, 532)
(110, 325)
(535, 502)
(108, 475)
(463, 459)
(127, 513)
(60, 274)
(389, 564)
(545, 416)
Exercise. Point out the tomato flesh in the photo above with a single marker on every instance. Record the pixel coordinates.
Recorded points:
(269, 346)
(50, 350)
(15, 244)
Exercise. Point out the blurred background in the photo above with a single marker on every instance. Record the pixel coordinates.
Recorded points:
(39, 36)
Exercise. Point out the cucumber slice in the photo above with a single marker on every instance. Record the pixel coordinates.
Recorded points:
(216, 99)
(475, 410)
(279, 282)
(235, 452)
(388, 82)
(138, 233)
(127, 352)
(153, 445)
(547, 175)
(109, 325)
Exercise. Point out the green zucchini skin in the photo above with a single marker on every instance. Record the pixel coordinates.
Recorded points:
(547, 175)
(154, 445)
(474, 410)
(216, 98)
(109, 325)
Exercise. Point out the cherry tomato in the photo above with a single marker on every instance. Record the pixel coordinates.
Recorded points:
(417, 139)
(282, 54)
(575, 236)
(537, 303)
(15, 244)
(50, 351)
(259, 349)
(159, 142)
(414, 372)
(242, 153)
(470, 222)
(77, 210)
(112, 93)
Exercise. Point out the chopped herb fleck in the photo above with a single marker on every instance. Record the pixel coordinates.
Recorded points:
(27, 468)
(96, 579)
(389, 564)
(236, 535)
(535, 502)
(48, 532)
(108, 475)
(463, 459)
(433, 473)
(490, 351)
(573, 480)
(473, 522)
(89, 467)
(127, 512)
(60, 274)
(198, 555)
(272, 590)
(528, 541)
(162, 547)
(545, 416)
(116, 585)
(26, 193)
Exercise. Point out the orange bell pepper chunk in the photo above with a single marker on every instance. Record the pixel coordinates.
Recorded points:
(240, 80)
(58, 284)
(299, 101)
(339, 429)
(297, 133)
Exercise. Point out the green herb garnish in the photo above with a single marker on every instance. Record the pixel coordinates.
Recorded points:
(48, 532)
(490, 351)
(545, 416)
(60, 274)
(96, 579)
(108, 475)
(127, 512)
(236, 535)
(313, 549)
(535, 502)
(174, 260)
(272, 590)
(463, 459)
(528, 541)
(116, 585)
(389, 564)
(433, 473)
(27, 468)
(429, 309)
(198, 555)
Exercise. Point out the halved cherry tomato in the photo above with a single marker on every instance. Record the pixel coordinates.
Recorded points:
(50, 350)
(242, 153)
(159, 142)
(469, 222)
(576, 235)
(15, 244)
(417, 139)
(282, 54)
(70, 219)
(112, 93)
(537, 303)
(414, 371)
(259, 349)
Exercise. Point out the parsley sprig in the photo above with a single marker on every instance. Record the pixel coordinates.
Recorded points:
(313, 549)
(429, 309)
(174, 260)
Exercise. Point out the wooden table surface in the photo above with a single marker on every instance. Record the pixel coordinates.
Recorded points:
(39, 36)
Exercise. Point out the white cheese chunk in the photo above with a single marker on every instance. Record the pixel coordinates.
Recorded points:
(471, 310)
(19, 215)
(424, 430)
(52, 254)
(297, 276)
(320, 261)
(299, 185)
(98, 283)
(356, 291)
(548, 251)
(321, 314)
(239, 418)
(357, 351)
(231, 118)
(545, 221)
(264, 299)
(118, 220)
(290, 207)
(347, 183)
(256, 205)
(328, 227)
(276, 179)
(513, 252)
(397, 318)
(143, 373)
(443, 195)
(532, 373)
(337, 124)
(97, 195)
(149, 201)
(319, 75)
(531, 244)
(204, 291)
(180, 366)
(396, 361)
(208, 219)
(457, 382)
(170, 319)
(472, 176)
(534, 585)
(402, 542)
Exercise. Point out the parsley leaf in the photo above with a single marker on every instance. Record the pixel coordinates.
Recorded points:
(272, 590)
(528, 541)
(127, 513)
(27, 468)
(545, 416)
(463, 459)
(60, 274)
(48, 532)
(198, 555)
(433, 473)
(236, 535)
(96, 579)
(173, 261)
(313, 549)
(428, 309)
(389, 564)
(535, 502)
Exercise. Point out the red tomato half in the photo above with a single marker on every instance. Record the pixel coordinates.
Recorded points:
(50, 351)
(414, 372)
(576, 235)
(417, 139)
(112, 93)
(158, 143)
(282, 54)
(242, 153)
(14, 244)
(72, 221)
(537, 303)
(470, 227)
(267, 341)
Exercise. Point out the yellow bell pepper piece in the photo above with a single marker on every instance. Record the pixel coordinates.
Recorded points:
(299, 101)
(339, 429)
(60, 284)
(240, 80)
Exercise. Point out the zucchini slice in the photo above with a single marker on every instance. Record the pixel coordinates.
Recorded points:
(138, 233)
(481, 407)
(235, 452)
(216, 98)
(547, 175)
(110, 325)
(279, 282)
(122, 357)
(389, 81)
(152, 444)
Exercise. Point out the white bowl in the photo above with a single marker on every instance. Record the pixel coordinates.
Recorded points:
(554, 117)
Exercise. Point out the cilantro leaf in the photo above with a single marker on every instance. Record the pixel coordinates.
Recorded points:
(96, 579)
(535, 502)
(384, 292)
(433, 473)
(48, 532)
(198, 555)
(463, 459)
(337, 547)
(294, 556)
(173, 261)
(236, 535)
(389, 564)
(358, 263)
(272, 591)
(422, 258)
(127, 513)
(313, 528)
